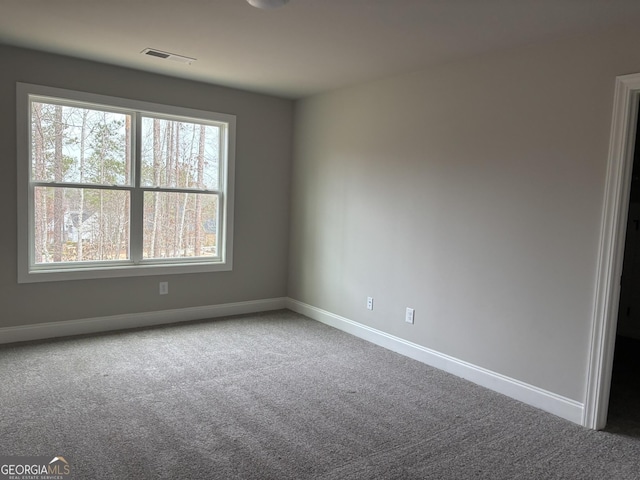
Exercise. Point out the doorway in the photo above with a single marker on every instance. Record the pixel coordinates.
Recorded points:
(611, 251)
(623, 415)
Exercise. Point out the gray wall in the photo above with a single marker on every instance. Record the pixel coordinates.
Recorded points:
(263, 165)
(471, 192)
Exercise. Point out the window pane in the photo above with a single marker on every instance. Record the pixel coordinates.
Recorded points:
(79, 145)
(178, 225)
(80, 225)
(180, 154)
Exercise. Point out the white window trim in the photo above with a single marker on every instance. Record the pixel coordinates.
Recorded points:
(27, 274)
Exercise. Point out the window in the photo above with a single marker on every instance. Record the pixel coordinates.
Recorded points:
(110, 187)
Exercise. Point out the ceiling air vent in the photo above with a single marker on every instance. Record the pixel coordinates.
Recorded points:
(152, 52)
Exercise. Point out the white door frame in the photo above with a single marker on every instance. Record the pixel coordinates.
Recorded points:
(611, 250)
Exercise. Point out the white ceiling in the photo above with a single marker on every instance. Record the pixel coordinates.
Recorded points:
(306, 47)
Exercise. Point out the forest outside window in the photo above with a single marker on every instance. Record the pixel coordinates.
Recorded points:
(114, 187)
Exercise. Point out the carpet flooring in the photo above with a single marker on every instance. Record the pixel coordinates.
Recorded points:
(277, 396)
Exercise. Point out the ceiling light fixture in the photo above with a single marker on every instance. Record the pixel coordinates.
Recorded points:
(267, 4)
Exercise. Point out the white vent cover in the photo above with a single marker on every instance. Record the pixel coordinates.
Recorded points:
(152, 52)
(267, 4)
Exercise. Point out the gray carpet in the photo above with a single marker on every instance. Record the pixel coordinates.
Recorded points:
(277, 396)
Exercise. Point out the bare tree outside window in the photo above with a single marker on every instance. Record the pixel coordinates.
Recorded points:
(181, 160)
(73, 150)
(82, 172)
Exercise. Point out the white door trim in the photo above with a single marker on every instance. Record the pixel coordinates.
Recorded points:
(611, 250)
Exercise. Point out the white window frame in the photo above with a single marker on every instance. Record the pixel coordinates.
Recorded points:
(29, 272)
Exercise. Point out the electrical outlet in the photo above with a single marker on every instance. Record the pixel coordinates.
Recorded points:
(369, 303)
(409, 315)
(164, 288)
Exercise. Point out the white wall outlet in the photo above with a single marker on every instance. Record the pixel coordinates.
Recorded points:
(164, 288)
(409, 315)
(369, 303)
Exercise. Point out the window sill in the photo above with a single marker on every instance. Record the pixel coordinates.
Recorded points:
(121, 271)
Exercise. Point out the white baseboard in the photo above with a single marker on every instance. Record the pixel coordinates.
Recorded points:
(529, 394)
(119, 322)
